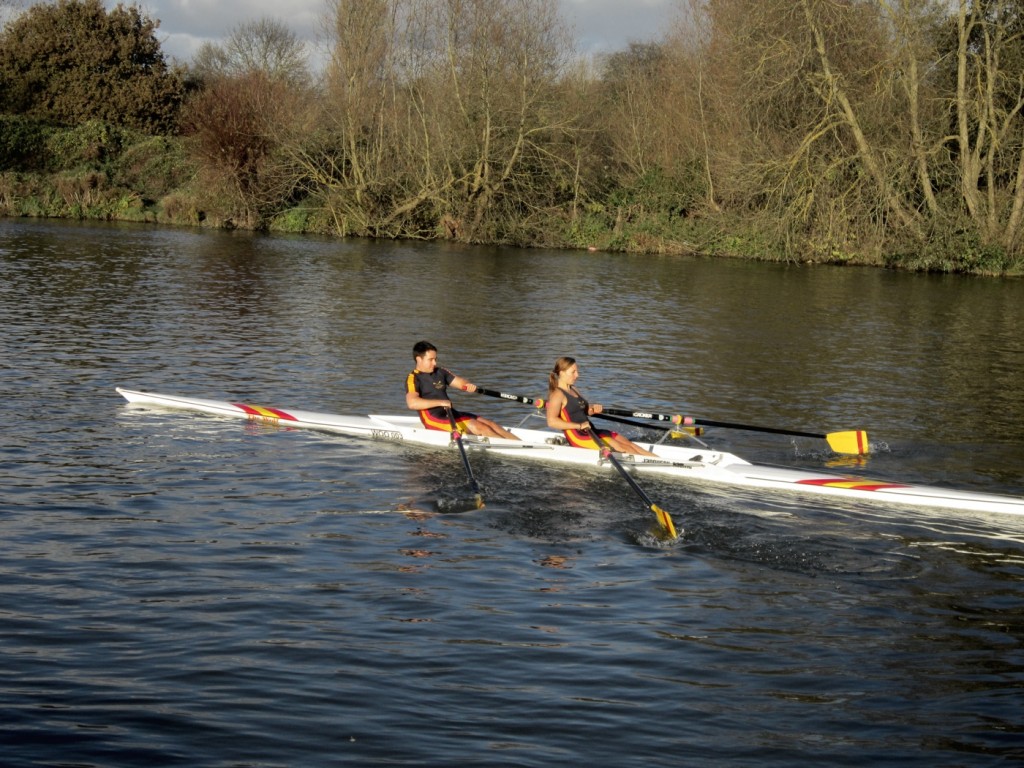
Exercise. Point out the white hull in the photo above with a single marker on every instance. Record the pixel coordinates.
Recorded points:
(688, 463)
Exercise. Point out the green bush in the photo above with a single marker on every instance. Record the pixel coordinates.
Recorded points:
(955, 251)
(152, 166)
(88, 145)
(72, 60)
(23, 143)
(293, 220)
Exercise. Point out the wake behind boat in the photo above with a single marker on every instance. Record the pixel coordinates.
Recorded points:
(691, 464)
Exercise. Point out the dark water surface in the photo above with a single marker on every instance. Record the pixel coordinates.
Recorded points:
(184, 590)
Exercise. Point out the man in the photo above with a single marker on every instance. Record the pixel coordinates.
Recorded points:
(426, 391)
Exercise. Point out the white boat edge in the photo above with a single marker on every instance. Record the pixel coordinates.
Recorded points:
(693, 464)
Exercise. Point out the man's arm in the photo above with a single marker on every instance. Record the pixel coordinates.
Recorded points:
(416, 403)
(464, 384)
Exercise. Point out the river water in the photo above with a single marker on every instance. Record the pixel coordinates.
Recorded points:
(177, 589)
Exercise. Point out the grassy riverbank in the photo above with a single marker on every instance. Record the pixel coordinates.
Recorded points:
(846, 133)
(100, 172)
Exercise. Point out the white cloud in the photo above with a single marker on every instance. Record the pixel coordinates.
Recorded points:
(187, 24)
(602, 26)
(599, 25)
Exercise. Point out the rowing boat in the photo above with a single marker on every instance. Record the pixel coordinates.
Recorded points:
(688, 463)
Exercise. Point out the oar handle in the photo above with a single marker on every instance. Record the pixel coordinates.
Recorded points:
(535, 401)
(674, 418)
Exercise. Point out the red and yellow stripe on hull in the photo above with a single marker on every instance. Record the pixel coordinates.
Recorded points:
(445, 425)
(851, 484)
(585, 439)
(260, 413)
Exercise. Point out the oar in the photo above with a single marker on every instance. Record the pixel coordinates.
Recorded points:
(851, 441)
(663, 517)
(537, 401)
(478, 498)
(675, 431)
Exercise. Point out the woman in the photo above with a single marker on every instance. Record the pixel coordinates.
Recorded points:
(569, 411)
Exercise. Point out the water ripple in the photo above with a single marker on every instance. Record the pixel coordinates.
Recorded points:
(184, 590)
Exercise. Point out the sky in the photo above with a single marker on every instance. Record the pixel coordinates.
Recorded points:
(600, 26)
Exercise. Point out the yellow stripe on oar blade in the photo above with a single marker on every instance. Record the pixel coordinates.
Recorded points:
(665, 519)
(855, 441)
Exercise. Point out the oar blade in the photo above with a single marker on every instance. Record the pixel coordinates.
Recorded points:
(665, 520)
(457, 504)
(854, 441)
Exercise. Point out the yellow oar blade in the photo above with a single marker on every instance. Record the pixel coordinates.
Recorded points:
(665, 519)
(854, 442)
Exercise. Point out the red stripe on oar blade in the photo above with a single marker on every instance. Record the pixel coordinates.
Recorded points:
(851, 484)
(261, 412)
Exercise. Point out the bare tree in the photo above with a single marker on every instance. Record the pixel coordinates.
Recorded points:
(804, 122)
(634, 101)
(988, 103)
(438, 116)
(503, 58)
(835, 92)
(913, 55)
(255, 94)
(266, 46)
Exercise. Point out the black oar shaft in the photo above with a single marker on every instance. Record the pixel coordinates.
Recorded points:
(628, 478)
(663, 517)
(457, 437)
(688, 420)
(849, 441)
(632, 423)
(749, 428)
(610, 413)
(539, 402)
